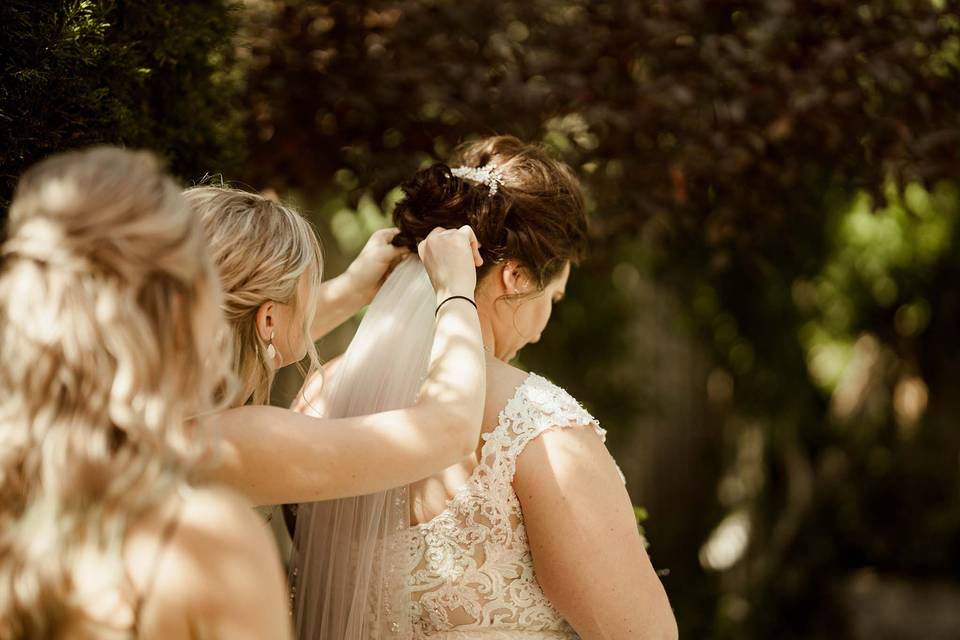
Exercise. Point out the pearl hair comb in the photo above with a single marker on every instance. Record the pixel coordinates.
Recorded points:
(487, 175)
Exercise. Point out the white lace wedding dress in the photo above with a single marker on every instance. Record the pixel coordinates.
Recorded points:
(469, 569)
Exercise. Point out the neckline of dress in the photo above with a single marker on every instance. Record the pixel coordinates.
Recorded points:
(468, 483)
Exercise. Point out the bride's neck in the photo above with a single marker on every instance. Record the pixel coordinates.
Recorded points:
(487, 300)
(486, 331)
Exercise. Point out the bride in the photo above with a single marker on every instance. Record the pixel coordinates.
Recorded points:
(533, 535)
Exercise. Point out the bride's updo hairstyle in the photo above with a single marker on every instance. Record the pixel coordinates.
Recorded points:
(536, 217)
(108, 324)
(261, 249)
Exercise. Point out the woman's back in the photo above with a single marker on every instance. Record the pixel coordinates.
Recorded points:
(109, 331)
(536, 536)
(468, 559)
(190, 568)
(198, 563)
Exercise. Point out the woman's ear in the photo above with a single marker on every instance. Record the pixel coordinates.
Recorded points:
(266, 321)
(511, 278)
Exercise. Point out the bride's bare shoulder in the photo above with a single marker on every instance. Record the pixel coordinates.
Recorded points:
(503, 380)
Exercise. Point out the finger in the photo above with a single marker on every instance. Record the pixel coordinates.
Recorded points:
(386, 236)
(474, 243)
(390, 268)
(385, 249)
(393, 255)
(436, 231)
(422, 245)
(398, 252)
(394, 264)
(467, 230)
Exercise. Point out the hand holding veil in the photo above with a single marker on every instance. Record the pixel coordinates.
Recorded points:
(346, 582)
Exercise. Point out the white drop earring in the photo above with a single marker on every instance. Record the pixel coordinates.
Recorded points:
(271, 350)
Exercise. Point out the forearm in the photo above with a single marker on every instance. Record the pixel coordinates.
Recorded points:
(272, 455)
(456, 378)
(337, 301)
(276, 456)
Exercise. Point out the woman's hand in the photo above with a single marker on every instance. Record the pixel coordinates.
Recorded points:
(376, 260)
(451, 258)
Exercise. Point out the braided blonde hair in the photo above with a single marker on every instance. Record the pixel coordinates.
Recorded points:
(261, 249)
(108, 323)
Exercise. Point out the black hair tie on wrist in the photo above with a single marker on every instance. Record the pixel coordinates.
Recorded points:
(446, 300)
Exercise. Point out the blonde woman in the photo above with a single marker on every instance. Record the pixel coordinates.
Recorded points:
(270, 267)
(109, 325)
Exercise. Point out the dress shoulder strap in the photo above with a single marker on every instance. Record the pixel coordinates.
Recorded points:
(537, 406)
(166, 535)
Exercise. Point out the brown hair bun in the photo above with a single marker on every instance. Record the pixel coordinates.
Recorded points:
(537, 216)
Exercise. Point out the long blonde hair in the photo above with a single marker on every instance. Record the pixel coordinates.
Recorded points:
(261, 249)
(107, 305)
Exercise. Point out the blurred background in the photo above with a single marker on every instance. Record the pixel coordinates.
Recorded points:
(767, 324)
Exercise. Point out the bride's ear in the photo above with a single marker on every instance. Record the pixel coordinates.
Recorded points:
(511, 277)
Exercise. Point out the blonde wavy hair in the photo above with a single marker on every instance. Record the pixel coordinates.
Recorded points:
(108, 323)
(261, 249)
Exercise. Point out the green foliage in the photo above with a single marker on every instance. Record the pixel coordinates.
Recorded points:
(139, 73)
(677, 111)
(771, 305)
(640, 514)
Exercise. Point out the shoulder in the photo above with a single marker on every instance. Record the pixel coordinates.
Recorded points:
(503, 382)
(208, 508)
(529, 405)
(561, 456)
(528, 400)
(216, 524)
(310, 399)
(219, 540)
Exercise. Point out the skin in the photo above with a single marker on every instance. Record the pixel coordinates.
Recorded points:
(513, 324)
(587, 552)
(338, 300)
(275, 455)
(282, 323)
(341, 297)
(218, 541)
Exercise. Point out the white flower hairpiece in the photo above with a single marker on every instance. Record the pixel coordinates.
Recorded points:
(488, 175)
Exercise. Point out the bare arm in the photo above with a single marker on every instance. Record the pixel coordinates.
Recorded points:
(587, 553)
(277, 456)
(274, 455)
(338, 299)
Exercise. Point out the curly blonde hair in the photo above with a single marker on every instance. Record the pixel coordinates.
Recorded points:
(261, 249)
(108, 324)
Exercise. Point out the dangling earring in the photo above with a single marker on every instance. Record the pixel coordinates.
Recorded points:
(271, 350)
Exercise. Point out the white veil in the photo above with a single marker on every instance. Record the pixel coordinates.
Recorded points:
(344, 579)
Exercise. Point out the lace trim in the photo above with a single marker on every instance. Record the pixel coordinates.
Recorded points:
(469, 568)
(538, 406)
(522, 419)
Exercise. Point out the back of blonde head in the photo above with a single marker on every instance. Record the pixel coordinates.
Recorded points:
(108, 312)
(261, 250)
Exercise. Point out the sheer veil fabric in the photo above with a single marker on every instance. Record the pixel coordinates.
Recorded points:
(344, 585)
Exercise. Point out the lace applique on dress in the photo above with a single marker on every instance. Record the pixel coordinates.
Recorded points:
(470, 572)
